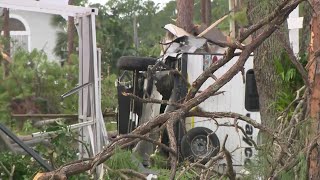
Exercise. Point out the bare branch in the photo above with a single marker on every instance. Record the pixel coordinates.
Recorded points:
(150, 100)
(135, 136)
(173, 145)
(133, 173)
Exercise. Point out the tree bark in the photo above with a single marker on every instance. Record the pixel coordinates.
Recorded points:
(314, 80)
(6, 35)
(264, 56)
(305, 35)
(203, 11)
(208, 13)
(185, 15)
(206, 16)
(71, 33)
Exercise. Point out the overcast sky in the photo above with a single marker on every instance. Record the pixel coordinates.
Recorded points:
(104, 1)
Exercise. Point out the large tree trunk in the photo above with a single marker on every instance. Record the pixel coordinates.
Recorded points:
(264, 57)
(206, 12)
(305, 35)
(203, 11)
(185, 15)
(314, 80)
(6, 35)
(71, 33)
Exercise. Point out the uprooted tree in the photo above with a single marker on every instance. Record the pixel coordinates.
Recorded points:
(287, 144)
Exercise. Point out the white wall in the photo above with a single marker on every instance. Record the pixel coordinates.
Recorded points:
(42, 34)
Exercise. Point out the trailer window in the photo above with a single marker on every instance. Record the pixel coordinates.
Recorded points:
(251, 92)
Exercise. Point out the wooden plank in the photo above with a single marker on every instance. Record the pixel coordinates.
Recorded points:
(73, 116)
(44, 115)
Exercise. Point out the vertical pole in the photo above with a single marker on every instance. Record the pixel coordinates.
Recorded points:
(314, 80)
(101, 132)
(135, 32)
(231, 20)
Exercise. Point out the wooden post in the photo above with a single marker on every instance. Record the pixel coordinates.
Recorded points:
(71, 34)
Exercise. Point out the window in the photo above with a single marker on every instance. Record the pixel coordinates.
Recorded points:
(16, 25)
(19, 33)
(251, 92)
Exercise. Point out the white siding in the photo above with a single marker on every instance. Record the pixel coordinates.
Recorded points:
(42, 34)
(232, 100)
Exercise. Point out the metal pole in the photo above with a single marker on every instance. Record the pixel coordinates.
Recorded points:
(29, 150)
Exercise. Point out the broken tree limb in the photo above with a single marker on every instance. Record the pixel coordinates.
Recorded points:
(229, 172)
(150, 100)
(133, 136)
(34, 142)
(173, 145)
(67, 116)
(46, 122)
(213, 25)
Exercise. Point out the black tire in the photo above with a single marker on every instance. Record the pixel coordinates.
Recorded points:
(135, 63)
(197, 138)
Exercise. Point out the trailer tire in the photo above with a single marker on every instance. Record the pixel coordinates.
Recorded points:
(194, 145)
(135, 63)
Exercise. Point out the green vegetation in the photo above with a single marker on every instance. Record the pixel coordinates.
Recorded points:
(33, 77)
(290, 80)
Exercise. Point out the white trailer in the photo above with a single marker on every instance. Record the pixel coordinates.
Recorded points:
(238, 96)
(204, 136)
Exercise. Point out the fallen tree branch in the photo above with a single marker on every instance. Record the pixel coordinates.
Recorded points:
(135, 136)
(47, 122)
(189, 102)
(149, 100)
(247, 119)
(173, 145)
(133, 173)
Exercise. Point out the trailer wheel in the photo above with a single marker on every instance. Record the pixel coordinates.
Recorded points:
(195, 145)
(135, 63)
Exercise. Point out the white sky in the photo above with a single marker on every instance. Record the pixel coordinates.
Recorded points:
(104, 1)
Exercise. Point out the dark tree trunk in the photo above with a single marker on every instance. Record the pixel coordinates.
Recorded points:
(314, 80)
(6, 35)
(203, 11)
(185, 15)
(71, 33)
(206, 12)
(305, 35)
(264, 58)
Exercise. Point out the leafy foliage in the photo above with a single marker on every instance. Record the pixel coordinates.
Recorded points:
(291, 80)
(32, 75)
(25, 166)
